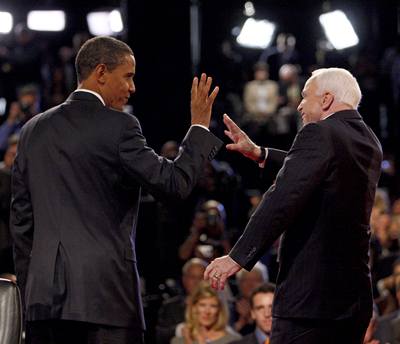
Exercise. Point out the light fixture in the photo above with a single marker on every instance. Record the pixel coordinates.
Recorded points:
(338, 29)
(256, 33)
(105, 23)
(6, 22)
(46, 20)
(249, 9)
(3, 106)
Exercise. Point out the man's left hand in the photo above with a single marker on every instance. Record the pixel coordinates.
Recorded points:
(219, 270)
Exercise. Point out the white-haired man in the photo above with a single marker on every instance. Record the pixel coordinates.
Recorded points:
(320, 204)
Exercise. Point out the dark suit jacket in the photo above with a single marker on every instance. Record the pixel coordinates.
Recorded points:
(6, 257)
(321, 202)
(76, 189)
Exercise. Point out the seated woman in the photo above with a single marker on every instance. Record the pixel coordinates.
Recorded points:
(206, 319)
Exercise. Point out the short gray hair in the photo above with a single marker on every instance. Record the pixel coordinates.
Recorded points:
(98, 50)
(340, 82)
(193, 261)
(259, 267)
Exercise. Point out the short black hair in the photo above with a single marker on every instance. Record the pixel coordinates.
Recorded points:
(261, 65)
(264, 288)
(98, 50)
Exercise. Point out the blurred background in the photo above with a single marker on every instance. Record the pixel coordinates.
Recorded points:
(260, 53)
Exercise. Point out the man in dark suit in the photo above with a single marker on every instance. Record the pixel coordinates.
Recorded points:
(320, 204)
(75, 196)
(261, 312)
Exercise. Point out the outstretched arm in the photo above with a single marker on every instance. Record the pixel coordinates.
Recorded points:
(244, 145)
(241, 142)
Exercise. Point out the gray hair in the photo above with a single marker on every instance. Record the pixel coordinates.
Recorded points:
(100, 50)
(259, 267)
(340, 82)
(192, 262)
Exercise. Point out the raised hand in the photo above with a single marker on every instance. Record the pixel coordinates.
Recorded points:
(242, 142)
(201, 102)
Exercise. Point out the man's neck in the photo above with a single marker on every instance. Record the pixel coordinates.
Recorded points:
(336, 108)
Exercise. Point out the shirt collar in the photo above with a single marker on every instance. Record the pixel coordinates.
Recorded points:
(260, 335)
(327, 116)
(92, 92)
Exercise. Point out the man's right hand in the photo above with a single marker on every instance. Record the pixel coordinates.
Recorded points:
(242, 142)
(201, 102)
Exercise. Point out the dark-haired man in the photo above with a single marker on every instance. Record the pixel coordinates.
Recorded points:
(261, 299)
(76, 189)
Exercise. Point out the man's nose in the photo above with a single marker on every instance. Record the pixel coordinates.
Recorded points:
(299, 108)
(132, 88)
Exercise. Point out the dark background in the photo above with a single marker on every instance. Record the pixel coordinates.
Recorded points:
(159, 34)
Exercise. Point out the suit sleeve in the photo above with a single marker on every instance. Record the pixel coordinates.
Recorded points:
(21, 217)
(272, 165)
(301, 174)
(161, 176)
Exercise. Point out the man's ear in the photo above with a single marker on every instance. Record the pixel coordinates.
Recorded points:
(100, 73)
(253, 316)
(327, 100)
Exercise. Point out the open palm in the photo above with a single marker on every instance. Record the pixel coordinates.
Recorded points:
(241, 142)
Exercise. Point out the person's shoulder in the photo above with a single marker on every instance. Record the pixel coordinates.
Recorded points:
(174, 301)
(387, 318)
(177, 340)
(313, 128)
(42, 116)
(247, 339)
(123, 116)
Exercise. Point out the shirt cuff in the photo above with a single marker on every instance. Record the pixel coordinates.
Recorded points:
(201, 126)
(262, 164)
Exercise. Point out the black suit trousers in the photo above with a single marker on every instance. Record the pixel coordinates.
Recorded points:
(316, 331)
(76, 332)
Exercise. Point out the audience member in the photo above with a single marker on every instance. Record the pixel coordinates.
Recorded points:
(261, 300)
(370, 334)
(247, 281)
(388, 326)
(20, 112)
(260, 100)
(7, 269)
(172, 311)
(206, 319)
(207, 237)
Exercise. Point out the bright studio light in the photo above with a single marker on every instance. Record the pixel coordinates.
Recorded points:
(256, 33)
(6, 22)
(46, 20)
(249, 9)
(338, 29)
(102, 23)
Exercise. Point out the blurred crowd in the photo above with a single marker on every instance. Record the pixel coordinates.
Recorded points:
(176, 241)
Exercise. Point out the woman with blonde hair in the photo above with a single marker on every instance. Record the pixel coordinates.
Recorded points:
(206, 319)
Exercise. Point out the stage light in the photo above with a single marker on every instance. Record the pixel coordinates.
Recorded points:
(256, 33)
(46, 20)
(103, 23)
(3, 106)
(6, 22)
(249, 9)
(338, 29)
